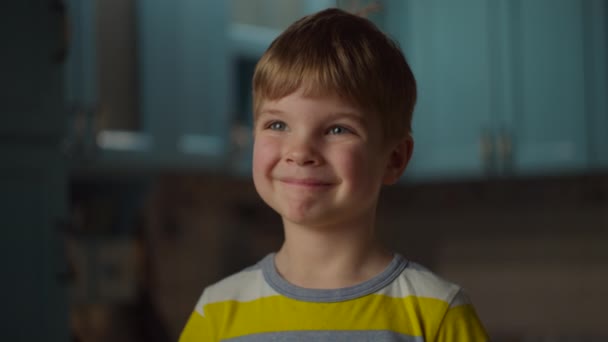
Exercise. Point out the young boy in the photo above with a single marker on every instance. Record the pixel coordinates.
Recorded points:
(333, 102)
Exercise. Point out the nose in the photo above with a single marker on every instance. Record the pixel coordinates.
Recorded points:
(302, 152)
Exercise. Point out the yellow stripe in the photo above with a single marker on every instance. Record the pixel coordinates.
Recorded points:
(461, 324)
(197, 329)
(374, 312)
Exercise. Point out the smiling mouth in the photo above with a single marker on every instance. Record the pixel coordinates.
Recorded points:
(306, 183)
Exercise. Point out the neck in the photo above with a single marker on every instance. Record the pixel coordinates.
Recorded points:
(331, 256)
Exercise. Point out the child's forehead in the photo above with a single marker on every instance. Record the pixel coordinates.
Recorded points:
(328, 104)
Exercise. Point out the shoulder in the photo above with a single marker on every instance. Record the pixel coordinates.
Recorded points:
(441, 307)
(243, 286)
(418, 281)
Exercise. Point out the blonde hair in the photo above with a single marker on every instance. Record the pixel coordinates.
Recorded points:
(336, 52)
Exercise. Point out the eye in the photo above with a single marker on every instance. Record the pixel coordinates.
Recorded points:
(338, 130)
(277, 126)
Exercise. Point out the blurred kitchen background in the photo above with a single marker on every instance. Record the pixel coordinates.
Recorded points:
(126, 153)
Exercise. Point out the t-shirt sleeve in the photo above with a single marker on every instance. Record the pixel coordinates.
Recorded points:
(461, 322)
(199, 327)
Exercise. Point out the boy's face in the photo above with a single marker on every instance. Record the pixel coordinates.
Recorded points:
(319, 161)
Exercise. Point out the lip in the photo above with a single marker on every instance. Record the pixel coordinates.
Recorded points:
(306, 182)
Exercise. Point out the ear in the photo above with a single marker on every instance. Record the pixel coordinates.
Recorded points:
(398, 159)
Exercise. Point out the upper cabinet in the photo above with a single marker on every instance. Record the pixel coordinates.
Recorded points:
(505, 87)
(448, 46)
(184, 75)
(167, 84)
(555, 85)
(149, 84)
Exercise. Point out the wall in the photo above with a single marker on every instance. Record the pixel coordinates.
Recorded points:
(532, 254)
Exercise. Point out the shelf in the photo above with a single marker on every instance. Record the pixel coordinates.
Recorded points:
(121, 153)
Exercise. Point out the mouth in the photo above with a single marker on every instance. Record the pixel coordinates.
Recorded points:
(307, 182)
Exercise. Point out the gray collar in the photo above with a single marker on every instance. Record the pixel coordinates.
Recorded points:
(282, 286)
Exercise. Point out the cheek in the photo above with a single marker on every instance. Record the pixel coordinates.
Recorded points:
(355, 164)
(265, 154)
(362, 168)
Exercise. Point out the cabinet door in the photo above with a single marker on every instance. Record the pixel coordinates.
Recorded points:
(185, 74)
(447, 44)
(549, 119)
(31, 69)
(33, 199)
(596, 74)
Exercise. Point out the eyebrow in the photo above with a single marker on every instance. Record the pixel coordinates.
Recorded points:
(356, 117)
(272, 111)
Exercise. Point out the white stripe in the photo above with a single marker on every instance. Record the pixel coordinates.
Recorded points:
(418, 281)
(244, 286)
(460, 299)
(415, 280)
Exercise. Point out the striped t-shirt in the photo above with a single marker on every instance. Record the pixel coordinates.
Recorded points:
(406, 302)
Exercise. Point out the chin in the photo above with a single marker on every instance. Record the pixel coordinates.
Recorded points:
(313, 217)
(298, 217)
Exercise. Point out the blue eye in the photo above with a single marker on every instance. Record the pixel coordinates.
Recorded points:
(277, 126)
(338, 130)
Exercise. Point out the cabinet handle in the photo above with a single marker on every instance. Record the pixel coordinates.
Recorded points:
(505, 149)
(486, 149)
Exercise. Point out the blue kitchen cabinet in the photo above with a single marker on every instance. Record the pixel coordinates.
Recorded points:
(185, 74)
(181, 70)
(506, 88)
(449, 47)
(555, 93)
